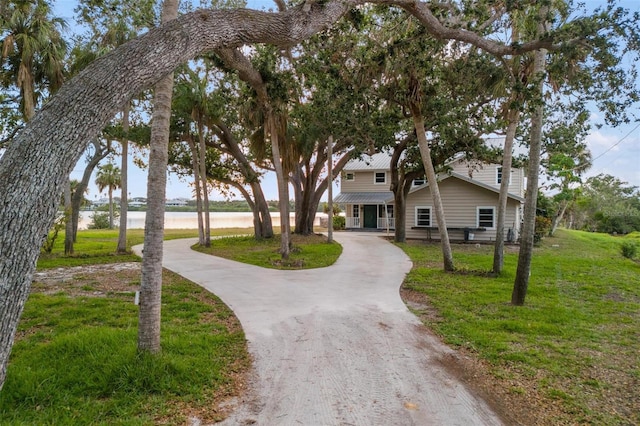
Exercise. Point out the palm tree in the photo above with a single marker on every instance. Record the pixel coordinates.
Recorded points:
(151, 280)
(33, 50)
(108, 176)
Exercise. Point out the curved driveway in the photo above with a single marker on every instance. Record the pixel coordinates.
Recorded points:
(334, 346)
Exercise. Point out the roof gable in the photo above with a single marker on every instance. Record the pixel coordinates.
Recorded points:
(467, 179)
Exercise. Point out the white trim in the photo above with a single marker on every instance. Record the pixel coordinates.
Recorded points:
(493, 219)
(415, 217)
(375, 182)
(414, 184)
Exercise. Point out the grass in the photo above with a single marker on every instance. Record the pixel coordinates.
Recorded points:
(574, 346)
(98, 246)
(311, 251)
(75, 359)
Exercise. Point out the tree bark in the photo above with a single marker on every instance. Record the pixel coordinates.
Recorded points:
(523, 270)
(432, 178)
(68, 224)
(203, 184)
(124, 175)
(498, 252)
(195, 164)
(400, 186)
(151, 281)
(330, 188)
(283, 187)
(558, 218)
(110, 192)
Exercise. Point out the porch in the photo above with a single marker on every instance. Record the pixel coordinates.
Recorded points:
(368, 210)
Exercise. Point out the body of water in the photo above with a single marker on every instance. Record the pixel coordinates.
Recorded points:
(189, 220)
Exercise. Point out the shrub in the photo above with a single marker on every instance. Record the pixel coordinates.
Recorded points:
(100, 218)
(339, 222)
(629, 249)
(543, 225)
(336, 208)
(52, 235)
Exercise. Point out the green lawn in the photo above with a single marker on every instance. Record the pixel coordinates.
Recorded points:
(310, 251)
(99, 245)
(576, 343)
(75, 359)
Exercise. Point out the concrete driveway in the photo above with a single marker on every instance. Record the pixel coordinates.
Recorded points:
(335, 346)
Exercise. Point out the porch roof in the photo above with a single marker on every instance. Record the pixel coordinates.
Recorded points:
(364, 197)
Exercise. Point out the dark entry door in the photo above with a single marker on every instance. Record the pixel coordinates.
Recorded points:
(370, 216)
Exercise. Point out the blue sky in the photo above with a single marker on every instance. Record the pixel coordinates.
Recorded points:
(616, 151)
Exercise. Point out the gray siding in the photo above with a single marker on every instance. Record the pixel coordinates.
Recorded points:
(461, 201)
(363, 182)
(487, 174)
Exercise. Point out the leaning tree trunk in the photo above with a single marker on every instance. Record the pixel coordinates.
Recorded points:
(151, 281)
(262, 210)
(432, 178)
(68, 224)
(124, 175)
(558, 217)
(523, 270)
(78, 195)
(498, 252)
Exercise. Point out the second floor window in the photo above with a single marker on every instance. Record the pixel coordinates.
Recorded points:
(380, 177)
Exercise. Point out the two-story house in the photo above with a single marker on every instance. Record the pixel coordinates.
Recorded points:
(469, 193)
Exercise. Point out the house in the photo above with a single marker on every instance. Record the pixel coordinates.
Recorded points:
(469, 192)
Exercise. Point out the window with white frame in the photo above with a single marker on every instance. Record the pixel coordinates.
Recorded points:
(380, 178)
(486, 217)
(349, 176)
(419, 181)
(356, 210)
(423, 216)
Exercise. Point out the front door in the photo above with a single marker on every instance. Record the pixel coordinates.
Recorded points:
(370, 216)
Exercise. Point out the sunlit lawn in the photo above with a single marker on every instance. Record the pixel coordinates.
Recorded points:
(577, 340)
(310, 251)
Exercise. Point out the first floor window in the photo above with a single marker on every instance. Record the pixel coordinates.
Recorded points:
(423, 216)
(389, 210)
(356, 210)
(486, 217)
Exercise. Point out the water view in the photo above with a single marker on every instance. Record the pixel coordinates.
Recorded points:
(189, 220)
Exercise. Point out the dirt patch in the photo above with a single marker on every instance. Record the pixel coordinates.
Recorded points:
(89, 280)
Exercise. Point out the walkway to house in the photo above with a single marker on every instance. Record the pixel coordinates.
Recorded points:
(335, 346)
